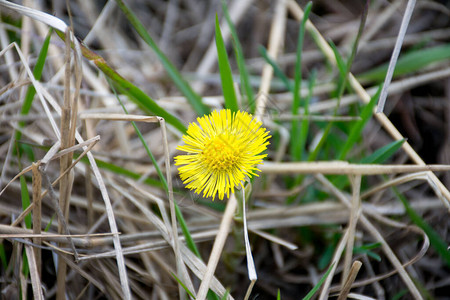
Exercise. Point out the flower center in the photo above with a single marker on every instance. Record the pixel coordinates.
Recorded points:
(220, 154)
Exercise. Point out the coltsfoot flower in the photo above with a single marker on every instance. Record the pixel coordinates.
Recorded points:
(223, 150)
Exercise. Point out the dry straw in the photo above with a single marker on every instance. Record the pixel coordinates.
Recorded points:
(148, 220)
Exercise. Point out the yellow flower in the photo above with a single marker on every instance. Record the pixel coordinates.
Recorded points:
(223, 149)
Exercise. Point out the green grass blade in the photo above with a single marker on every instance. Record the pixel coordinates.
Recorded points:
(370, 246)
(3, 258)
(382, 154)
(400, 294)
(211, 295)
(142, 100)
(107, 166)
(306, 102)
(31, 91)
(366, 249)
(184, 228)
(378, 157)
(244, 75)
(225, 72)
(25, 200)
(342, 67)
(225, 296)
(355, 132)
(135, 94)
(436, 241)
(185, 288)
(304, 129)
(327, 253)
(343, 74)
(340, 63)
(47, 228)
(362, 24)
(194, 99)
(25, 196)
(313, 155)
(319, 284)
(276, 69)
(297, 139)
(345, 70)
(278, 295)
(374, 256)
(25, 267)
(146, 103)
(410, 62)
(147, 149)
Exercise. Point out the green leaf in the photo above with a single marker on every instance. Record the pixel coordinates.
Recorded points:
(319, 284)
(384, 153)
(225, 72)
(194, 99)
(356, 130)
(410, 62)
(244, 75)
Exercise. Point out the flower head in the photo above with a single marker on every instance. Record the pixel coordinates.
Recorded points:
(223, 149)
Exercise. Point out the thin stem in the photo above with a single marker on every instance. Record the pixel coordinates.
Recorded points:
(218, 246)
